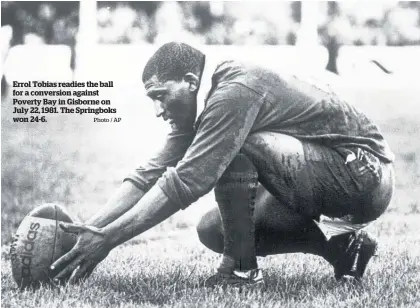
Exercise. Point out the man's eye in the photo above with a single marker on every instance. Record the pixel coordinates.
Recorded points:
(159, 96)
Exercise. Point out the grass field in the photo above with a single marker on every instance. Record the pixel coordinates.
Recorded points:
(78, 163)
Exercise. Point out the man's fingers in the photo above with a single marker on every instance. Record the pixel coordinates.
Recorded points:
(83, 271)
(69, 268)
(78, 228)
(65, 259)
(71, 228)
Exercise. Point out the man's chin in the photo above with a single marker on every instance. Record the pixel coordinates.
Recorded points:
(181, 126)
(175, 125)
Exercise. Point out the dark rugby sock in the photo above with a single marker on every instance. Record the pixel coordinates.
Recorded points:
(304, 238)
(235, 194)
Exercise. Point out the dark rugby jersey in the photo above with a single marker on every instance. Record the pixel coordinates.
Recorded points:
(245, 99)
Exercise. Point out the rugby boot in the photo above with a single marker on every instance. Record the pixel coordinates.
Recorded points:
(236, 279)
(350, 253)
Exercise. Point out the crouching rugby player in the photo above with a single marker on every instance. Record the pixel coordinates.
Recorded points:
(278, 151)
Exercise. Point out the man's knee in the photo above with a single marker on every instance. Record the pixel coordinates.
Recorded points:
(274, 149)
(240, 166)
(239, 177)
(210, 231)
(235, 193)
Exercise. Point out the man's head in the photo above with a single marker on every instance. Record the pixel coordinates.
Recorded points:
(171, 78)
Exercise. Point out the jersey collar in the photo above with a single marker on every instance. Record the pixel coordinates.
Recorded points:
(205, 84)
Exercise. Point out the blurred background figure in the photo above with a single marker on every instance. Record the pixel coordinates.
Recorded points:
(5, 37)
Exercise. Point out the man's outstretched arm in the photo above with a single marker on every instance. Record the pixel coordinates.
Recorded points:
(152, 209)
(123, 200)
(94, 243)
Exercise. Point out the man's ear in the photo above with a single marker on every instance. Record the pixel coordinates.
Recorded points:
(193, 80)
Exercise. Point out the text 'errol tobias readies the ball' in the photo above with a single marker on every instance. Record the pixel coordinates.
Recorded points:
(278, 151)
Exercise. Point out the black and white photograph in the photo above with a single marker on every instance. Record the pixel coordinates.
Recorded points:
(210, 154)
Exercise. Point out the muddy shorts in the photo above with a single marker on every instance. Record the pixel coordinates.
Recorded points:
(348, 183)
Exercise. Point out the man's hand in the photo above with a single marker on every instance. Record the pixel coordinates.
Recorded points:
(90, 249)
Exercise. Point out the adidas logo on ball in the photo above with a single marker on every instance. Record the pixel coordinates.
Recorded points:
(28, 247)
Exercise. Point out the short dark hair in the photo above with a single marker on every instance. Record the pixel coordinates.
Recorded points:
(173, 61)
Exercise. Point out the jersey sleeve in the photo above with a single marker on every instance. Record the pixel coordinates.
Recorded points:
(145, 176)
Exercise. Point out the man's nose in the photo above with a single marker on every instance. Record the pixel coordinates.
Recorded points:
(158, 108)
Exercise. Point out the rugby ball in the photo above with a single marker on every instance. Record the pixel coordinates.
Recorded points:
(39, 241)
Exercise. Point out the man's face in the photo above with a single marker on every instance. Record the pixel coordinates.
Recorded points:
(174, 101)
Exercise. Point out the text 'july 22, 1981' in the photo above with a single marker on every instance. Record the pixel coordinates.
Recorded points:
(36, 101)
